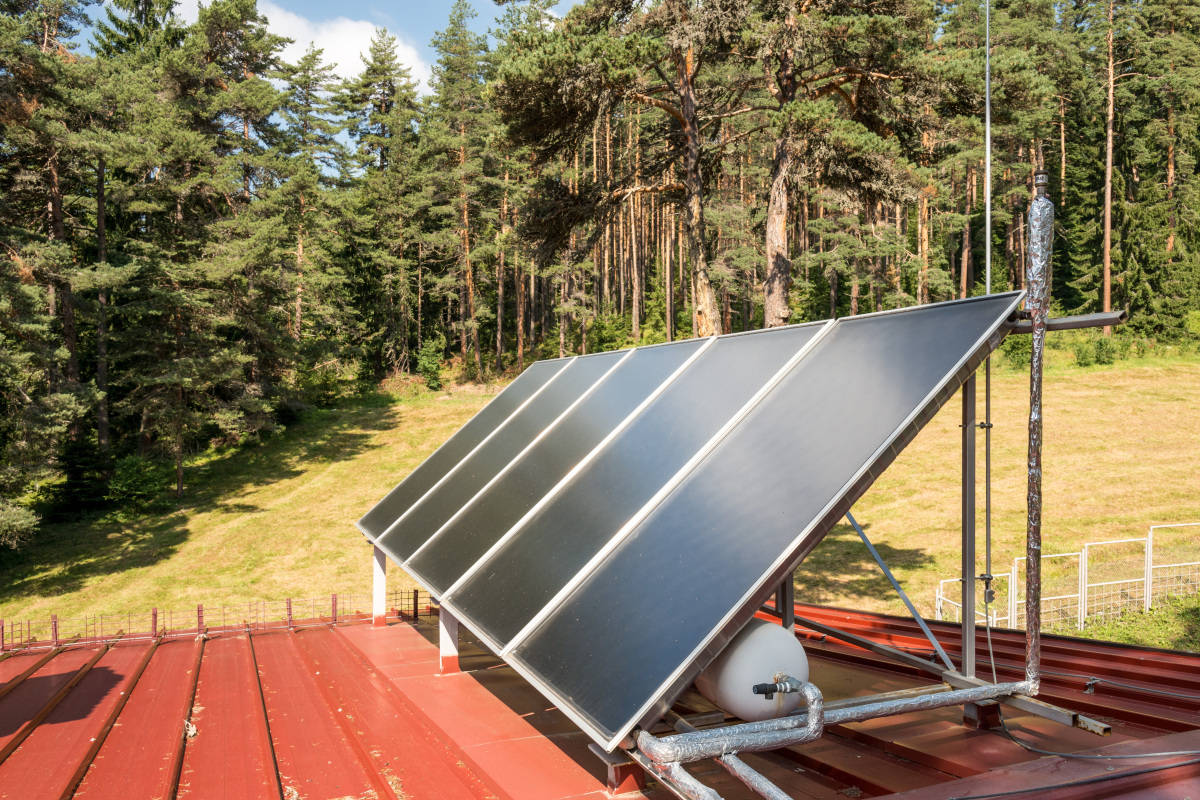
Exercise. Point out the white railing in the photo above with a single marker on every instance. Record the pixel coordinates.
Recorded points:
(1107, 579)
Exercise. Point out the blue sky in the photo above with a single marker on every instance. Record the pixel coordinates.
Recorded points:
(343, 29)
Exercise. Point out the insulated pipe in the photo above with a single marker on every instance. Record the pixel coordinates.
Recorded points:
(800, 728)
(717, 742)
(754, 781)
(1041, 240)
(676, 779)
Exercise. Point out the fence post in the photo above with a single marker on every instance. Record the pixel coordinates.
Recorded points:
(416, 599)
(1083, 587)
(1, 636)
(333, 605)
(1148, 599)
(54, 629)
(937, 610)
(199, 618)
(154, 623)
(1012, 597)
(289, 613)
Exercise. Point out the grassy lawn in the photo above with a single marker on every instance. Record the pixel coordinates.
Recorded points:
(265, 522)
(276, 520)
(1121, 449)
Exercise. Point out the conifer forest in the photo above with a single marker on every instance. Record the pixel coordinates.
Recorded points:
(198, 240)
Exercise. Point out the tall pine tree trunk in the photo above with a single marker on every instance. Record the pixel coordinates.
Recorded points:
(465, 241)
(708, 320)
(966, 278)
(296, 318)
(103, 436)
(500, 277)
(778, 282)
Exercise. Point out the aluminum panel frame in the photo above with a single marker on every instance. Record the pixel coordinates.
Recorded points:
(801, 546)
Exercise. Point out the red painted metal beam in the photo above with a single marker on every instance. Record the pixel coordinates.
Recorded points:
(315, 757)
(141, 756)
(229, 754)
(101, 736)
(42, 765)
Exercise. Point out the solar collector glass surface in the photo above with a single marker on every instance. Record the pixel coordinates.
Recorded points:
(492, 455)
(479, 524)
(634, 626)
(432, 469)
(561, 537)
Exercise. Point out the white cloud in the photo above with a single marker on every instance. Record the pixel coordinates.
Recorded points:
(342, 39)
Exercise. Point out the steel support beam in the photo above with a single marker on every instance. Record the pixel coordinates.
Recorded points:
(1100, 319)
(967, 660)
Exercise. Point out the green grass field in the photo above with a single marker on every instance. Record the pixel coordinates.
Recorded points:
(277, 520)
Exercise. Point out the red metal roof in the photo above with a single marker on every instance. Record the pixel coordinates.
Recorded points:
(356, 711)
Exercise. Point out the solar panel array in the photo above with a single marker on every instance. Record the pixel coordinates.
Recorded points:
(608, 522)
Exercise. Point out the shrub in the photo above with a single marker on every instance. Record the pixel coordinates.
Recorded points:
(1085, 352)
(1017, 350)
(429, 361)
(17, 525)
(138, 482)
(1106, 350)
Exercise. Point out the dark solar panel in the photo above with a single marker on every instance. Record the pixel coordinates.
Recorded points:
(619, 516)
(480, 523)
(556, 542)
(695, 569)
(470, 475)
(432, 469)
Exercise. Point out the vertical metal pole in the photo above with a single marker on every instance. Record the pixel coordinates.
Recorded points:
(1083, 587)
(379, 588)
(199, 618)
(154, 622)
(333, 608)
(1041, 240)
(987, 143)
(968, 527)
(416, 601)
(289, 614)
(1013, 588)
(1149, 570)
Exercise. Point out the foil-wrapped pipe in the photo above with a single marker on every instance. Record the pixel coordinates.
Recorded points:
(678, 780)
(799, 728)
(1041, 240)
(754, 780)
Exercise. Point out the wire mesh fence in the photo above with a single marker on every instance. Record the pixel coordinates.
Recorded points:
(1102, 580)
(259, 615)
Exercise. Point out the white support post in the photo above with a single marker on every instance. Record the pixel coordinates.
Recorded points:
(447, 640)
(1013, 588)
(1148, 599)
(1083, 586)
(379, 588)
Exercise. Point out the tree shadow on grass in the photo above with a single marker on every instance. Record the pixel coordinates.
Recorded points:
(840, 570)
(65, 556)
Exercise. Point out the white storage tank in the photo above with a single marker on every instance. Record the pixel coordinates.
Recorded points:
(762, 652)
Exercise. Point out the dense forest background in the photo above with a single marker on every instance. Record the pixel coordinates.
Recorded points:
(198, 240)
